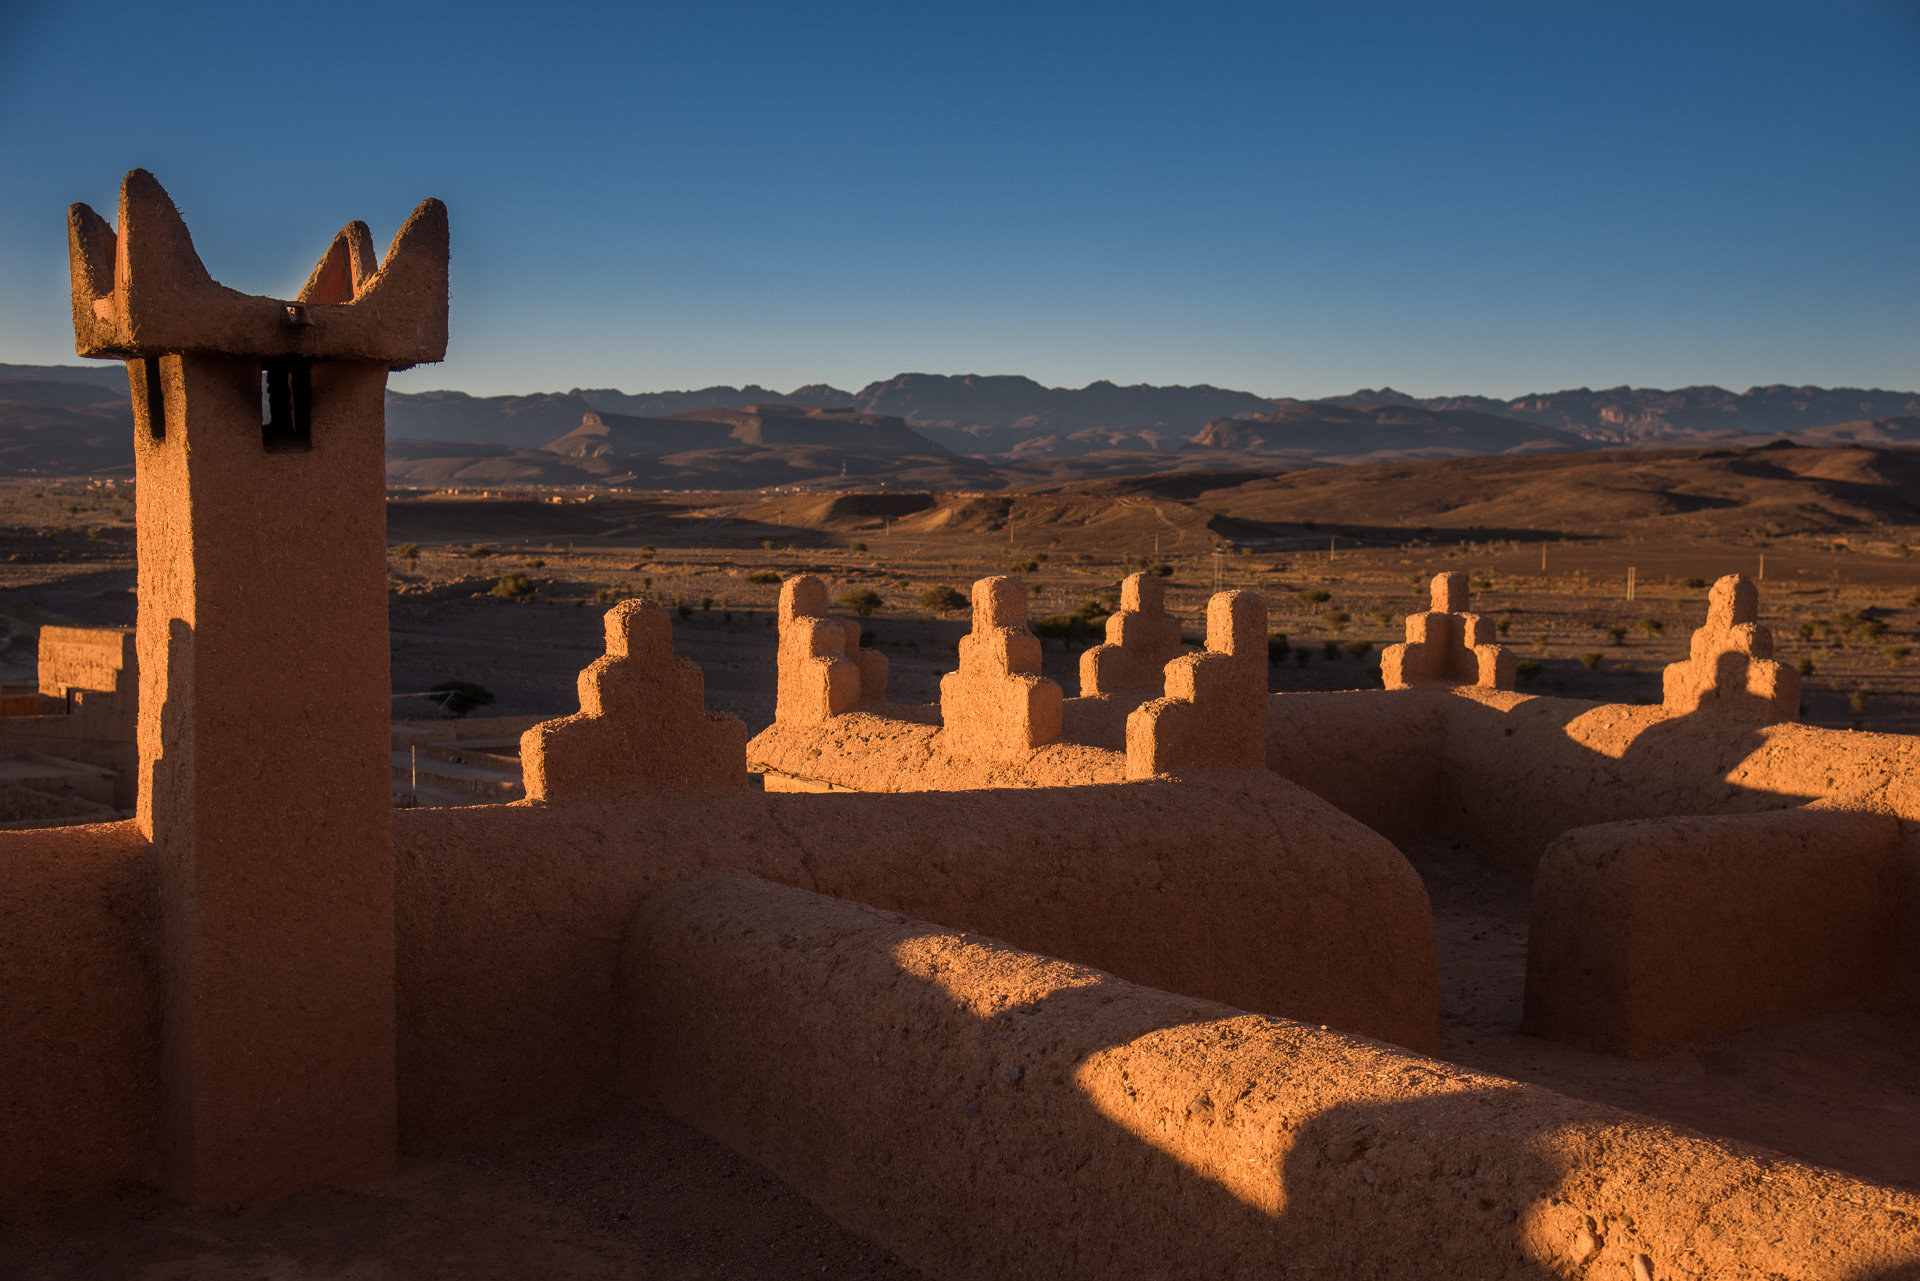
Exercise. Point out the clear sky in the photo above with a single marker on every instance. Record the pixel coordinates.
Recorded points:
(1291, 199)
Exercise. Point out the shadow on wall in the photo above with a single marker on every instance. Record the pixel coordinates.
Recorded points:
(939, 1083)
(1514, 778)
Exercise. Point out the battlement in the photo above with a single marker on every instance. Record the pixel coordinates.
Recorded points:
(997, 704)
(1214, 712)
(642, 723)
(1447, 644)
(1142, 638)
(141, 291)
(823, 671)
(1730, 669)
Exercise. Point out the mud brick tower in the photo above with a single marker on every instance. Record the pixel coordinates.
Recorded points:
(264, 687)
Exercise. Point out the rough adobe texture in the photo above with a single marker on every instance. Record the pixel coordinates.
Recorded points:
(263, 704)
(1507, 774)
(1215, 709)
(870, 752)
(1647, 933)
(265, 789)
(988, 1113)
(94, 671)
(1142, 638)
(80, 1005)
(820, 672)
(1448, 644)
(507, 951)
(143, 291)
(997, 705)
(1731, 669)
(642, 721)
(89, 658)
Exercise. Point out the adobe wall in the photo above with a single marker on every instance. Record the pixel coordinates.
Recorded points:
(987, 1113)
(94, 671)
(510, 917)
(1374, 754)
(868, 752)
(1647, 933)
(1516, 772)
(79, 1012)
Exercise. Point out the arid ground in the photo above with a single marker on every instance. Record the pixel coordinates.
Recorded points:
(507, 590)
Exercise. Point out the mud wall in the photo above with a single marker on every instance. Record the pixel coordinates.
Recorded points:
(1655, 931)
(1373, 754)
(79, 1012)
(1246, 889)
(988, 1113)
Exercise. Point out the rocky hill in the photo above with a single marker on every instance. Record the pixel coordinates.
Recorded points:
(964, 431)
(1642, 414)
(754, 446)
(1326, 433)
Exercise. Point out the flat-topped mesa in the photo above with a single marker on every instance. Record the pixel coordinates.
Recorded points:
(1141, 640)
(643, 723)
(142, 292)
(1215, 709)
(822, 669)
(997, 705)
(1447, 645)
(1731, 669)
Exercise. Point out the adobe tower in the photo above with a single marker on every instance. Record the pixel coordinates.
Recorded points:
(262, 644)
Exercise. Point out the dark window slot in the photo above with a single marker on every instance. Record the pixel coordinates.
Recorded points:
(287, 389)
(156, 398)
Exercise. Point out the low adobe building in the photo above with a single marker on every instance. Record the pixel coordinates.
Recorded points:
(1164, 1023)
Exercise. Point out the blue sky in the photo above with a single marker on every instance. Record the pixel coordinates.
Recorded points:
(1288, 199)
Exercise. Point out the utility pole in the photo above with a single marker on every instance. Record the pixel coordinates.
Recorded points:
(1763, 566)
(1629, 582)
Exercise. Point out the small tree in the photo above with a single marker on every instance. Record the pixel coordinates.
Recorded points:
(942, 599)
(1619, 635)
(513, 587)
(1313, 596)
(462, 697)
(1277, 647)
(1336, 619)
(1590, 660)
(862, 601)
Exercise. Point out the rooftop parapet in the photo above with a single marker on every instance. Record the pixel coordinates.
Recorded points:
(1731, 668)
(87, 658)
(997, 704)
(642, 724)
(822, 669)
(1141, 640)
(1215, 709)
(142, 291)
(1448, 645)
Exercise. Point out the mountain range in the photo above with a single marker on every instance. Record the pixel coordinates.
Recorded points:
(966, 431)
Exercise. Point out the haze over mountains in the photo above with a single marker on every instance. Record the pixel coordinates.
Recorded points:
(967, 432)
